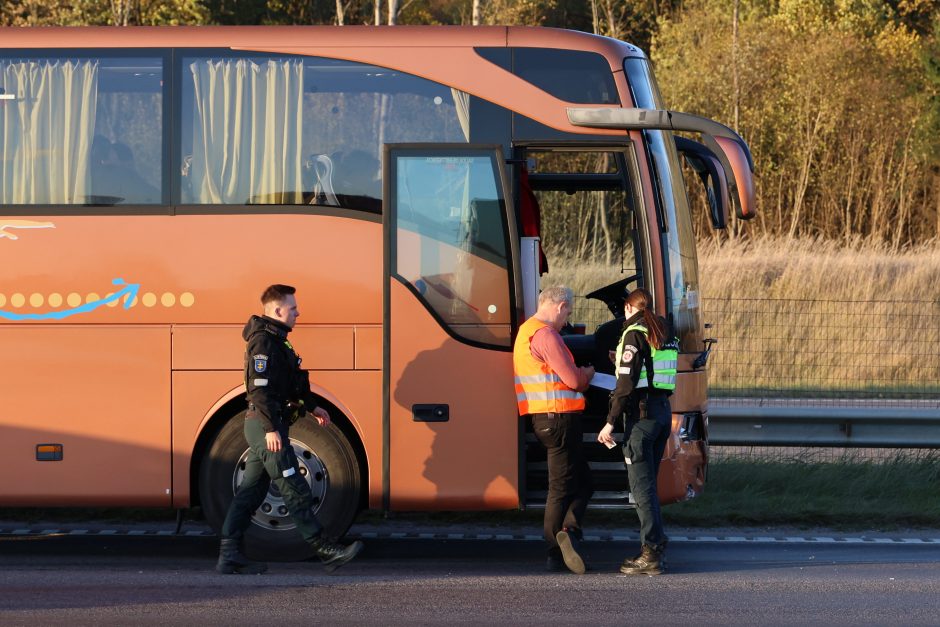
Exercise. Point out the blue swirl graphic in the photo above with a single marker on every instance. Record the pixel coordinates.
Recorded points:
(129, 289)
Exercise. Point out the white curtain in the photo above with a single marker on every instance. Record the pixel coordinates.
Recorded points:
(462, 104)
(247, 131)
(47, 122)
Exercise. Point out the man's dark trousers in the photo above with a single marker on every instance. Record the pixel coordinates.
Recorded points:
(569, 476)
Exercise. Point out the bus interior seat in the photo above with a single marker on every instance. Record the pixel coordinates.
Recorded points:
(318, 178)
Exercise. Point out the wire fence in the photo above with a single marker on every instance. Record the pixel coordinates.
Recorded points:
(881, 351)
(817, 348)
(819, 352)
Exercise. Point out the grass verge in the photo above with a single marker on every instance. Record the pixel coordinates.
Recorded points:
(846, 494)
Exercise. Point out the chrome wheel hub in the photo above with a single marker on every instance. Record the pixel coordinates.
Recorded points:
(272, 514)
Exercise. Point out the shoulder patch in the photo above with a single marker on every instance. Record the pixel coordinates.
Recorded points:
(628, 352)
(261, 362)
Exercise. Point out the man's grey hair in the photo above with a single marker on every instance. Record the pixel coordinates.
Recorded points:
(556, 295)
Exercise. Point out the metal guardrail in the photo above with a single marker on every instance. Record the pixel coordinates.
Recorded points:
(846, 423)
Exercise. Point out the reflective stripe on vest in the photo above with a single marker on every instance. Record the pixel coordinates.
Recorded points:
(665, 362)
(538, 389)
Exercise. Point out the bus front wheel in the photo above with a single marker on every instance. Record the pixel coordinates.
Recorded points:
(328, 464)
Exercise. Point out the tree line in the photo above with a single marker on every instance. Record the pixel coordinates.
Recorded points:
(838, 99)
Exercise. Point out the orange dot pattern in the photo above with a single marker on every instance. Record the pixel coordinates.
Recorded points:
(55, 300)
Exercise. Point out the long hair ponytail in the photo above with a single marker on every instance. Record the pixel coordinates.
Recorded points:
(642, 300)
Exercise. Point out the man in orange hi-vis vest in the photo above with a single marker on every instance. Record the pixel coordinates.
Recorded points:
(548, 388)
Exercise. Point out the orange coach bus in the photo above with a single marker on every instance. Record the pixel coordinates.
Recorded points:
(412, 182)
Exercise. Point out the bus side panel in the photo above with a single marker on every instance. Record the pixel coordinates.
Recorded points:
(471, 461)
(190, 269)
(358, 394)
(195, 393)
(213, 355)
(199, 347)
(691, 389)
(101, 392)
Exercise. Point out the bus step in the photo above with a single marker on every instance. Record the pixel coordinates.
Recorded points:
(601, 500)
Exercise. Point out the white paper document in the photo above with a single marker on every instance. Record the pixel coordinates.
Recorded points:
(604, 381)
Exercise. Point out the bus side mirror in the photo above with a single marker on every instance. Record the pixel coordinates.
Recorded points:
(738, 156)
(712, 175)
(726, 145)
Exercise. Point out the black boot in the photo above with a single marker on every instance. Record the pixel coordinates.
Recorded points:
(569, 541)
(649, 562)
(333, 555)
(232, 562)
(554, 563)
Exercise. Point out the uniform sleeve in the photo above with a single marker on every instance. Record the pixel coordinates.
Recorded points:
(628, 373)
(310, 401)
(263, 369)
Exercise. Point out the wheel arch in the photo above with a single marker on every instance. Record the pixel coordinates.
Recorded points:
(235, 401)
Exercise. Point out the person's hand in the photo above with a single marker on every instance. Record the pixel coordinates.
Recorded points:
(273, 441)
(613, 356)
(322, 416)
(588, 372)
(605, 437)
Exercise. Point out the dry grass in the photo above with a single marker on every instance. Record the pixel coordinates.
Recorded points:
(814, 269)
(812, 316)
(583, 277)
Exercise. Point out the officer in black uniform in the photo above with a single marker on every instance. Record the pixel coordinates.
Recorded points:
(278, 395)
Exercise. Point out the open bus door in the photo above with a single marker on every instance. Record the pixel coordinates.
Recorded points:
(449, 423)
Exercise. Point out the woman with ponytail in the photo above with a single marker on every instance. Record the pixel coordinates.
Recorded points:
(645, 365)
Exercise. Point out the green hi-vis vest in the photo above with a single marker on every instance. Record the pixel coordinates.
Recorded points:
(665, 361)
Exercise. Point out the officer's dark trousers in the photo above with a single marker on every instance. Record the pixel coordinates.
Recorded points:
(569, 477)
(644, 444)
(262, 467)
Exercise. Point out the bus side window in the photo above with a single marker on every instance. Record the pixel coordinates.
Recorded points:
(102, 107)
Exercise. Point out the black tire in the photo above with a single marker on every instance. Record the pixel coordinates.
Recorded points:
(327, 461)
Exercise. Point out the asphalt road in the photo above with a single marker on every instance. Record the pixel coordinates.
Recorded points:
(127, 579)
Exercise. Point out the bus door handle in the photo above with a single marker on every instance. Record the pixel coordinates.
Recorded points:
(433, 412)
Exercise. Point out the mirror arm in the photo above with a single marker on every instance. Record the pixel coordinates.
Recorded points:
(702, 360)
(661, 119)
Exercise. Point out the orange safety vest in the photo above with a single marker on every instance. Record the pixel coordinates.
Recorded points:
(538, 389)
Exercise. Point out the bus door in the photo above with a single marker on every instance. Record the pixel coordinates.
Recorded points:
(450, 427)
(593, 232)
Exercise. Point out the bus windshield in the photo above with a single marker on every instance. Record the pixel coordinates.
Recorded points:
(681, 262)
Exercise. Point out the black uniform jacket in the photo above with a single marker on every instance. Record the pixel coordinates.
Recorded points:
(636, 354)
(273, 376)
